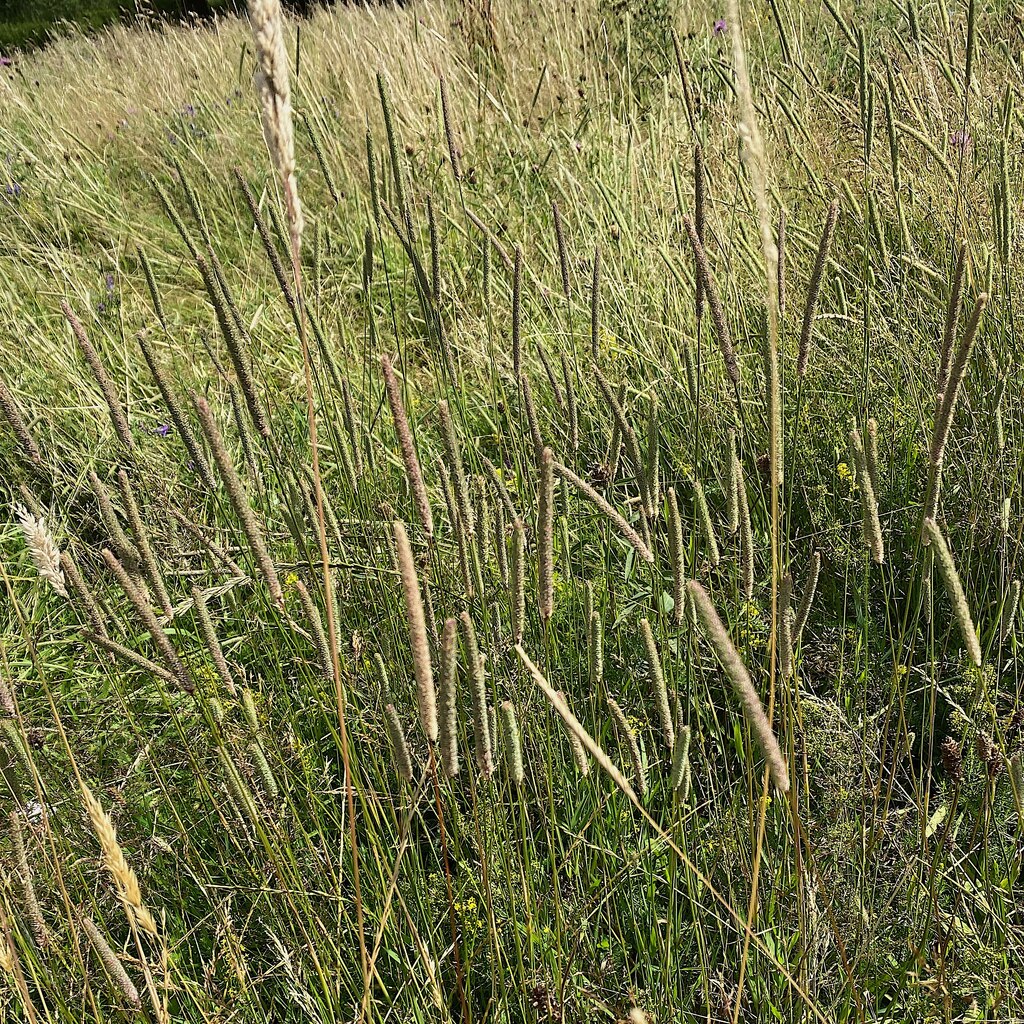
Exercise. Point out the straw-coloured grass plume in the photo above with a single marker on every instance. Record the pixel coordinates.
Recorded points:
(704, 515)
(116, 863)
(957, 597)
(741, 684)
(810, 586)
(418, 643)
(409, 457)
(274, 91)
(42, 547)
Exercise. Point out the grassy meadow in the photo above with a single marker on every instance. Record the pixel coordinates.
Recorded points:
(575, 579)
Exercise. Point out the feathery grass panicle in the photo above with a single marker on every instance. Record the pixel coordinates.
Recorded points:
(22, 435)
(42, 547)
(704, 515)
(746, 530)
(579, 753)
(807, 595)
(512, 743)
(320, 642)
(814, 288)
(478, 683)
(447, 705)
(1008, 616)
(722, 335)
(239, 499)
(418, 643)
(574, 725)
(500, 545)
(149, 620)
(111, 963)
(409, 458)
(553, 382)
(677, 555)
(957, 597)
(82, 592)
(628, 737)
(871, 526)
(274, 91)
(399, 746)
(741, 684)
(23, 871)
(502, 490)
(1015, 769)
(146, 556)
(679, 780)
(208, 631)
(174, 407)
(595, 308)
(611, 514)
(125, 881)
(656, 676)
(99, 372)
(546, 537)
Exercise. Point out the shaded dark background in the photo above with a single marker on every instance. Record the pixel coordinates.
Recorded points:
(28, 23)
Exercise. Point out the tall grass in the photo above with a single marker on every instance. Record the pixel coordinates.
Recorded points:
(456, 413)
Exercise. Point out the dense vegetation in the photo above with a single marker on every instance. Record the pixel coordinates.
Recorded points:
(693, 404)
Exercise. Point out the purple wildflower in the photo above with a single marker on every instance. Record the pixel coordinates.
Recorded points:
(5, 62)
(960, 139)
(719, 28)
(109, 280)
(162, 429)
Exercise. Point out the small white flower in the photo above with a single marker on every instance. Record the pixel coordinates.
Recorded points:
(42, 547)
